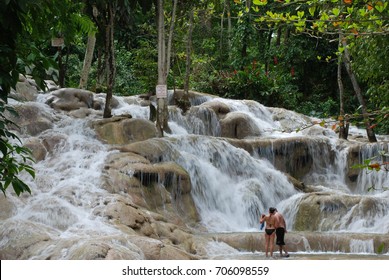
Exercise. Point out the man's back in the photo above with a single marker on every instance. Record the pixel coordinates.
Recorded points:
(279, 220)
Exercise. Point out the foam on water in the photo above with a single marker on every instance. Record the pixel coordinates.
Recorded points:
(230, 187)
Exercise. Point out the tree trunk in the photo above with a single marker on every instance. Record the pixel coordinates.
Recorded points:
(164, 65)
(246, 34)
(347, 62)
(221, 34)
(170, 39)
(267, 64)
(90, 46)
(110, 53)
(162, 75)
(100, 76)
(61, 67)
(343, 122)
(279, 35)
(188, 53)
(229, 32)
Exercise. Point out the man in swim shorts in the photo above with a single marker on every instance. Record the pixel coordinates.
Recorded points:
(280, 226)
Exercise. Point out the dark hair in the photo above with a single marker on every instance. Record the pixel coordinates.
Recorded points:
(272, 210)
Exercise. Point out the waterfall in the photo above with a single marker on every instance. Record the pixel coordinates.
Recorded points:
(373, 181)
(362, 246)
(66, 189)
(230, 188)
(233, 181)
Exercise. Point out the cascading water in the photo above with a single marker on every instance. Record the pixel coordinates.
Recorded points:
(230, 186)
(66, 188)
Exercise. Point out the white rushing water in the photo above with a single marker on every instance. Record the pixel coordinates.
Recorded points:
(229, 186)
(66, 188)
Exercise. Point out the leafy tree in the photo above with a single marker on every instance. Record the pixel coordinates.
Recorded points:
(347, 18)
(369, 61)
(26, 28)
(14, 158)
(164, 54)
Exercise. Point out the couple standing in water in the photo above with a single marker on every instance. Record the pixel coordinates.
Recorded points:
(275, 227)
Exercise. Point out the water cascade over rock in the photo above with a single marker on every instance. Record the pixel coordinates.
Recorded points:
(110, 189)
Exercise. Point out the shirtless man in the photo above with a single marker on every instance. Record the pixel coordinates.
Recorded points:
(280, 226)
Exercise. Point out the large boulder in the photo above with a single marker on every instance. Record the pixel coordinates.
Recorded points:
(221, 109)
(331, 211)
(195, 97)
(238, 125)
(68, 99)
(122, 211)
(289, 120)
(150, 247)
(32, 119)
(37, 148)
(7, 208)
(111, 247)
(163, 187)
(24, 91)
(21, 238)
(124, 129)
(99, 101)
(298, 151)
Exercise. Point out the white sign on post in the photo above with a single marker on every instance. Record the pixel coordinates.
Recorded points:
(161, 91)
(57, 42)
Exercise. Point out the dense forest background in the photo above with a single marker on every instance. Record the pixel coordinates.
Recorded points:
(234, 55)
(235, 52)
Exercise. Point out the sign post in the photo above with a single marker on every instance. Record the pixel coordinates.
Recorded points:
(161, 91)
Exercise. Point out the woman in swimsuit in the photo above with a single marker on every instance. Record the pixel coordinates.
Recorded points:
(269, 231)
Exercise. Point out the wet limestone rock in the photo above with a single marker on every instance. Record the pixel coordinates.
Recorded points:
(161, 187)
(221, 109)
(68, 99)
(238, 125)
(122, 211)
(325, 211)
(24, 91)
(124, 129)
(297, 151)
(7, 208)
(104, 248)
(37, 148)
(32, 119)
(354, 158)
(150, 247)
(20, 239)
(289, 120)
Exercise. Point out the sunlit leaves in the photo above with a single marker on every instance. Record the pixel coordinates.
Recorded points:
(352, 17)
(260, 2)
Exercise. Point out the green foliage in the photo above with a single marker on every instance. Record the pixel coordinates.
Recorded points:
(141, 68)
(381, 248)
(18, 54)
(324, 109)
(14, 158)
(371, 54)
